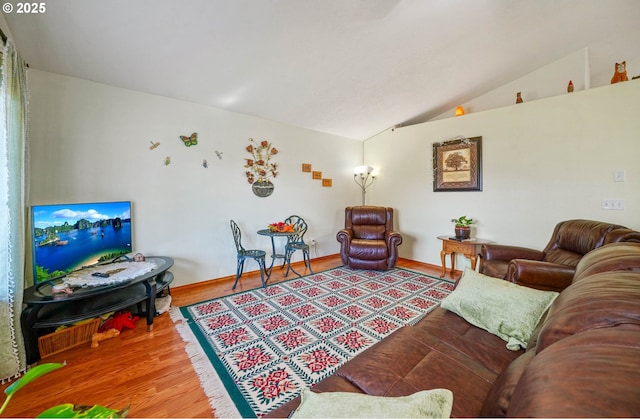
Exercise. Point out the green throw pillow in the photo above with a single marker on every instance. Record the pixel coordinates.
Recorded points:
(505, 309)
(435, 403)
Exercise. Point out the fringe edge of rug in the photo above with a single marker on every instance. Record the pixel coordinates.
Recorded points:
(210, 382)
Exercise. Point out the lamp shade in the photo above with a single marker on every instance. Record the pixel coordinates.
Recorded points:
(362, 170)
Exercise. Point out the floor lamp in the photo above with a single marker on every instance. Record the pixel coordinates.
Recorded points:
(363, 176)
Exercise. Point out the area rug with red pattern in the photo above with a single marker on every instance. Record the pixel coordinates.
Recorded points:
(255, 350)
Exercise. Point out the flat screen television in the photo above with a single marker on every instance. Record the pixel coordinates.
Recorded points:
(66, 237)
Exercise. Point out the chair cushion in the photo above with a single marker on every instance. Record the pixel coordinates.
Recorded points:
(563, 257)
(369, 216)
(368, 249)
(368, 232)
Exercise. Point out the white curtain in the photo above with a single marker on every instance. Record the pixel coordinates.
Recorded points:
(13, 138)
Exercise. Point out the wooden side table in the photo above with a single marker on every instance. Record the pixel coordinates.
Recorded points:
(470, 248)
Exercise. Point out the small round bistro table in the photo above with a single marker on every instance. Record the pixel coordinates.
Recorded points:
(274, 255)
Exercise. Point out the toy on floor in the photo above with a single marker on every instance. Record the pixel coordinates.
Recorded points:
(96, 338)
(119, 321)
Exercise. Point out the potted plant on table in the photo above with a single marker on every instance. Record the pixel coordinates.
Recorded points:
(463, 227)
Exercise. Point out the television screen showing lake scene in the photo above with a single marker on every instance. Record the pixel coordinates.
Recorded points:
(69, 236)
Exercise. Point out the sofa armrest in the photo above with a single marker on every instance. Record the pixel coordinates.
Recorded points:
(540, 275)
(505, 252)
(622, 235)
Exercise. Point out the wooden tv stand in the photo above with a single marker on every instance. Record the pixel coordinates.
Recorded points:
(46, 311)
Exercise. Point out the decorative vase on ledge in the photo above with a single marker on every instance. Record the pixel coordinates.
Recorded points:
(262, 188)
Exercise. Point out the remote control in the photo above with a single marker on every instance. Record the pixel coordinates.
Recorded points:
(100, 274)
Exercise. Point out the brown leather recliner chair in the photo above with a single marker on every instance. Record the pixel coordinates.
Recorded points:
(368, 240)
(552, 268)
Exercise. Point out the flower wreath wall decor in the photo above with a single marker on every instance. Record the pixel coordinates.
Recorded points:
(260, 167)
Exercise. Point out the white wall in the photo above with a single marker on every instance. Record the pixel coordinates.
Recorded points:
(90, 142)
(542, 161)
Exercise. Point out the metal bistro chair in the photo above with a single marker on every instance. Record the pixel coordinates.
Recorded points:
(296, 242)
(243, 254)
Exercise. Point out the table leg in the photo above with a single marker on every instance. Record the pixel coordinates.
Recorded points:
(150, 287)
(474, 260)
(453, 263)
(443, 255)
(28, 317)
(273, 257)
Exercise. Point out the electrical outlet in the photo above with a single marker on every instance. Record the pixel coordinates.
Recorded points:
(313, 246)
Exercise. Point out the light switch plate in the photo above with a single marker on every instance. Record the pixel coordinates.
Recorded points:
(613, 204)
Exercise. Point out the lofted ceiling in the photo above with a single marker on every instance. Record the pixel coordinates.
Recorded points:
(351, 68)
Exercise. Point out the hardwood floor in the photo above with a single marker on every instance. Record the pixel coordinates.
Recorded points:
(149, 371)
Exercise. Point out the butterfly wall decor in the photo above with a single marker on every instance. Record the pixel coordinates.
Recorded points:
(189, 141)
(167, 161)
(205, 164)
(154, 145)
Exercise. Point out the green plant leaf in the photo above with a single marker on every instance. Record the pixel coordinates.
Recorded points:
(69, 410)
(29, 376)
(462, 221)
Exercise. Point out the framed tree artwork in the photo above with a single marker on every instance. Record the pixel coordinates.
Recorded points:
(457, 165)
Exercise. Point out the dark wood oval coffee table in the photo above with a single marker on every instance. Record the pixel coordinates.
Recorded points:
(46, 310)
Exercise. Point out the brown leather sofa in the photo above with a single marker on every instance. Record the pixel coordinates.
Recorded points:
(368, 240)
(552, 268)
(582, 360)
